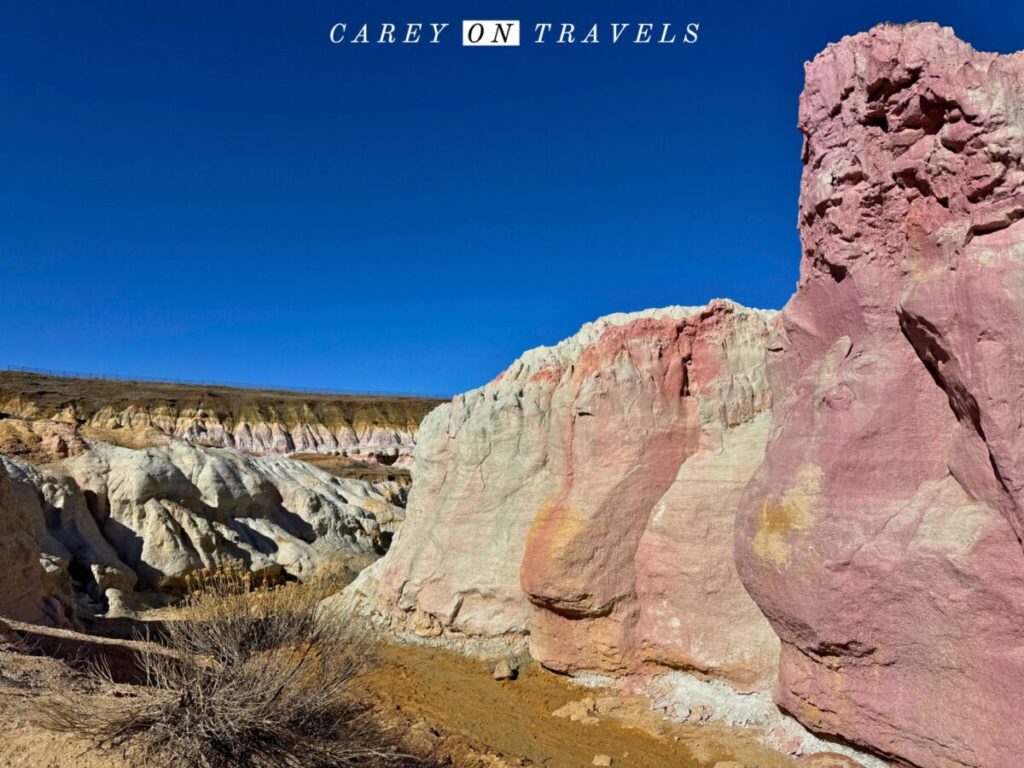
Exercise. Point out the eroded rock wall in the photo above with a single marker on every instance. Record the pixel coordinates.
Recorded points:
(30, 591)
(39, 442)
(118, 519)
(882, 534)
(139, 414)
(585, 498)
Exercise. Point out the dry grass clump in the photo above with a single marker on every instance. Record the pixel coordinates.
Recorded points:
(248, 675)
(334, 573)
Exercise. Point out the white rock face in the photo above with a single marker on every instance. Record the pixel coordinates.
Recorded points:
(146, 519)
(585, 500)
(60, 521)
(371, 443)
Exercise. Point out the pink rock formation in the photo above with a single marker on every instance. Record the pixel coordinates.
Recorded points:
(586, 497)
(882, 535)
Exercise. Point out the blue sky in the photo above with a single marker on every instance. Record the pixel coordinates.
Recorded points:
(210, 190)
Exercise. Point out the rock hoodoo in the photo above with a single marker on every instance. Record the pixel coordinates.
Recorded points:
(882, 534)
(586, 497)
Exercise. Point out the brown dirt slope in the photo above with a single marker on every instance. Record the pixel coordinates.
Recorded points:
(456, 700)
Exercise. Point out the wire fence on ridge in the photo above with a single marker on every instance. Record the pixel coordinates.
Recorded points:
(266, 388)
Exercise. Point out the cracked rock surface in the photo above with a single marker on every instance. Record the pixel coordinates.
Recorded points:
(585, 498)
(882, 534)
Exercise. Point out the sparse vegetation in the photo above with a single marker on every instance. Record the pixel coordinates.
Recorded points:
(248, 675)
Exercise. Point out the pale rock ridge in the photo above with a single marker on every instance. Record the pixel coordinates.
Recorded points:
(370, 442)
(368, 428)
(585, 499)
(882, 534)
(59, 519)
(122, 519)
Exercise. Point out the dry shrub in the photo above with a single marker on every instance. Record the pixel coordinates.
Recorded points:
(248, 675)
(334, 573)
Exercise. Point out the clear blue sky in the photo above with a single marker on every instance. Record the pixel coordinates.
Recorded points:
(211, 190)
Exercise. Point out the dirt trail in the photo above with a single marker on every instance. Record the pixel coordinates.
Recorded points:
(458, 697)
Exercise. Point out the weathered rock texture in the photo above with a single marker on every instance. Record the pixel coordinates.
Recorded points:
(586, 497)
(122, 519)
(41, 441)
(29, 591)
(139, 414)
(882, 535)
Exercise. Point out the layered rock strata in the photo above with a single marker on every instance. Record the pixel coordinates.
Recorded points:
(40, 442)
(882, 534)
(585, 499)
(139, 414)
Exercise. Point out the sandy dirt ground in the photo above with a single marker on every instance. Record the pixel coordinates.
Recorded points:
(456, 700)
(450, 707)
(26, 675)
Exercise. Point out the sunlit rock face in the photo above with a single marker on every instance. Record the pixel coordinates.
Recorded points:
(120, 520)
(368, 428)
(31, 589)
(882, 534)
(585, 498)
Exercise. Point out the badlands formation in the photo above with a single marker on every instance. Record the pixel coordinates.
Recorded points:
(89, 527)
(584, 500)
(807, 522)
(27, 594)
(97, 532)
(864, 443)
(368, 428)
